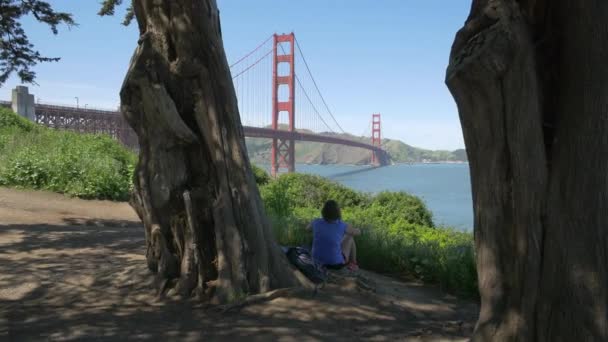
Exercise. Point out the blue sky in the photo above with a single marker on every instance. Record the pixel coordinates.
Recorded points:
(386, 56)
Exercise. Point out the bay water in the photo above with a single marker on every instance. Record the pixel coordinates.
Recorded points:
(445, 188)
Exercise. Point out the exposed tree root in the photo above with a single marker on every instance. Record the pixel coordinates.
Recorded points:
(262, 297)
(351, 281)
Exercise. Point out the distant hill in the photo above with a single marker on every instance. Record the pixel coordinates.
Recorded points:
(321, 153)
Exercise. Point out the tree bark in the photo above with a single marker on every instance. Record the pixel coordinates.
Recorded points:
(206, 232)
(531, 85)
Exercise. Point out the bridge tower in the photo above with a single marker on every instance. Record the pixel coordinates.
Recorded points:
(376, 137)
(283, 150)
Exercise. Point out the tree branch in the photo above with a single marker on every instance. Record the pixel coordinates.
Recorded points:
(17, 53)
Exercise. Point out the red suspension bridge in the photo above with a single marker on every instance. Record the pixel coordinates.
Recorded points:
(275, 102)
(298, 108)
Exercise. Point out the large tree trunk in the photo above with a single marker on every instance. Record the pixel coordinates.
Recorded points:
(531, 84)
(206, 232)
(530, 79)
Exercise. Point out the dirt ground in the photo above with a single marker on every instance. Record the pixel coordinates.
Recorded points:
(75, 270)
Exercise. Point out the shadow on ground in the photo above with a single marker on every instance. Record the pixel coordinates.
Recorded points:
(86, 278)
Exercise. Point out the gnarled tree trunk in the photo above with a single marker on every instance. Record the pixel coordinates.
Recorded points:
(531, 84)
(206, 232)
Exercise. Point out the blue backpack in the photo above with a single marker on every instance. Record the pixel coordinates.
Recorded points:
(302, 260)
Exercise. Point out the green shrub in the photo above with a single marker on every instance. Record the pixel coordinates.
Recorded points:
(10, 120)
(261, 176)
(295, 190)
(398, 236)
(435, 255)
(83, 165)
(290, 230)
(391, 207)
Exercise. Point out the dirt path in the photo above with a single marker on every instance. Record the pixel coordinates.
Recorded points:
(74, 270)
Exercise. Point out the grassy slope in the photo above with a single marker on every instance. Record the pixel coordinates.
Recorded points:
(83, 165)
(398, 237)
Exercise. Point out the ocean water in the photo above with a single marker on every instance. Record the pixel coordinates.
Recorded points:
(445, 188)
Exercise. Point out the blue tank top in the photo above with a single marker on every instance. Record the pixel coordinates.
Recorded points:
(327, 241)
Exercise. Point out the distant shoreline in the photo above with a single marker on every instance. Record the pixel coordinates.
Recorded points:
(400, 163)
(434, 162)
(266, 164)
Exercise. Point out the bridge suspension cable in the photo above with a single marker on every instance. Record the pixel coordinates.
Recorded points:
(252, 65)
(251, 52)
(251, 78)
(302, 113)
(367, 129)
(252, 75)
(312, 104)
(316, 86)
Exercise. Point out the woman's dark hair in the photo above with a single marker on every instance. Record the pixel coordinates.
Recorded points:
(331, 211)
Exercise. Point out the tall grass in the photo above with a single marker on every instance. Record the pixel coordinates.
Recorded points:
(398, 234)
(82, 165)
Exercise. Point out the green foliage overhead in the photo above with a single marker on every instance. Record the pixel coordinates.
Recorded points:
(17, 54)
(108, 7)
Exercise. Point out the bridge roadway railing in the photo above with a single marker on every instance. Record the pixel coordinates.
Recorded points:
(87, 120)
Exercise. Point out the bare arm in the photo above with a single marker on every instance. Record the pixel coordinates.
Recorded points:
(352, 231)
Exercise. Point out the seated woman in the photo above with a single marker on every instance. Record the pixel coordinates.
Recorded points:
(333, 243)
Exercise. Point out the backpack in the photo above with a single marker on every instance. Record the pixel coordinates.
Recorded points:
(302, 260)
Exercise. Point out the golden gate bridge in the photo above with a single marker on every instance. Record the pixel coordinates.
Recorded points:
(275, 102)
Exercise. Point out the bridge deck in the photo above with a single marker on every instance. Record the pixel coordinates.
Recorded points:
(257, 132)
(111, 122)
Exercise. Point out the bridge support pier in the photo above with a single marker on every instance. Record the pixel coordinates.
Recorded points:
(283, 154)
(376, 138)
(23, 103)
